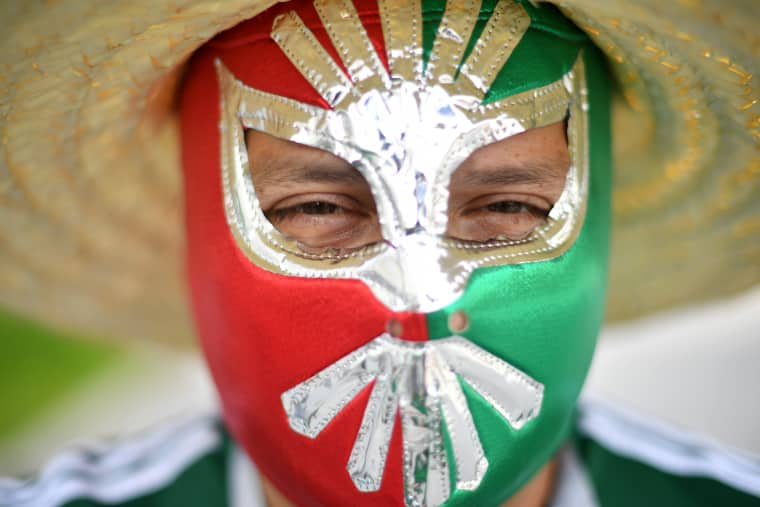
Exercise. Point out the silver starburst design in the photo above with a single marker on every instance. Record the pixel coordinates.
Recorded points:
(405, 129)
(421, 380)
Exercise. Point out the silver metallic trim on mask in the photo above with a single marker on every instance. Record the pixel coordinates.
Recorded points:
(420, 380)
(405, 131)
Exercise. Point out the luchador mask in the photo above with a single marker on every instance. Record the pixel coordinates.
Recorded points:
(334, 409)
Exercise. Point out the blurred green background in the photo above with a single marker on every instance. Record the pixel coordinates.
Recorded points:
(39, 366)
(62, 390)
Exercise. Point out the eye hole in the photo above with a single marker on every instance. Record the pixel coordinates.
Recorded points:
(311, 196)
(505, 190)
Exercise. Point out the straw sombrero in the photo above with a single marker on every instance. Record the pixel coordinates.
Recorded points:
(91, 235)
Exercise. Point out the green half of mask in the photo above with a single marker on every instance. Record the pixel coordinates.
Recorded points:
(541, 317)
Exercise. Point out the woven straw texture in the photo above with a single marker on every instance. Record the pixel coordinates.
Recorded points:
(90, 189)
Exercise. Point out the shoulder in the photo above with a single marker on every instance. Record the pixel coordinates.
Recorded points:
(633, 461)
(179, 465)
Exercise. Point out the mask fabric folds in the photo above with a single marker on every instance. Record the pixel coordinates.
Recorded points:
(332, 408)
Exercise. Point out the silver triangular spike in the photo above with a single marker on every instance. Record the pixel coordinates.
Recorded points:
(515, 395)
(438, 486)
(352, 42)
(311, 59)
(505, 28)
(453, 34)
(469, 457)
(312, 404)
(370, 451)
(402, 32)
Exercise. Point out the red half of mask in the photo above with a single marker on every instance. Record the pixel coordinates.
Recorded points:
(263, 333)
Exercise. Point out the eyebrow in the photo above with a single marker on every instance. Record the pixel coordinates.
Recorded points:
(510, 175)
(334, 173)
(278, 172)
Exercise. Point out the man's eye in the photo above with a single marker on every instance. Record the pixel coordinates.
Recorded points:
(307, 208)
(511, 207)
(318, 223)
(497, 219)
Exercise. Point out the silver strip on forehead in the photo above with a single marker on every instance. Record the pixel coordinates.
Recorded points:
(504, 29)
(311, 59)
(362, 62)
(420, 381)
(406, 138)
(454, 31)
(402, 33)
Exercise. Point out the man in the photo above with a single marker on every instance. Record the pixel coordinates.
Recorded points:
(397, 220)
